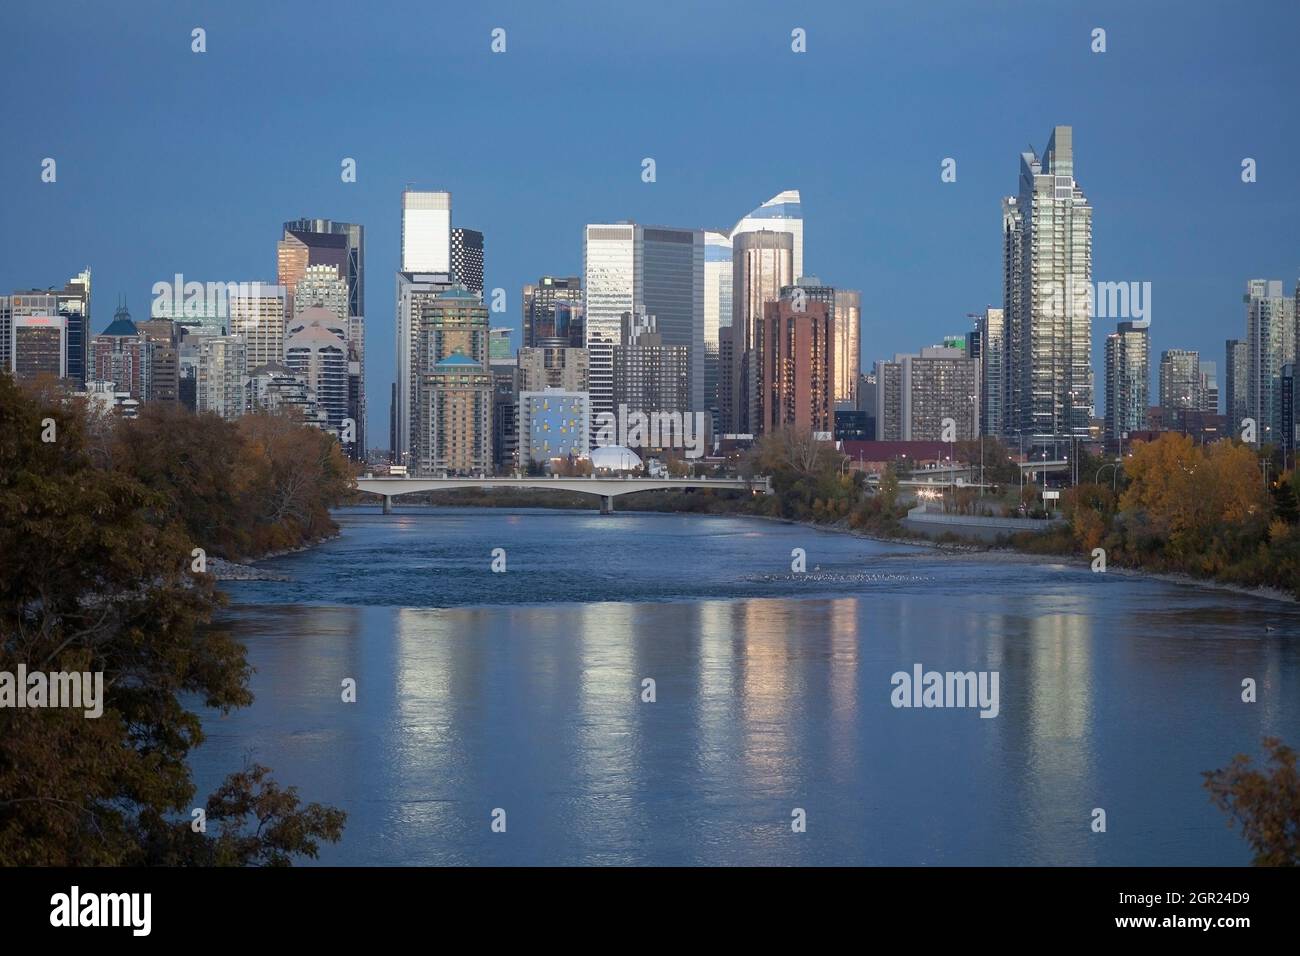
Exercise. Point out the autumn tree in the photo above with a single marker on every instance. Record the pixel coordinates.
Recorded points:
(95, 576)
(1264, 804)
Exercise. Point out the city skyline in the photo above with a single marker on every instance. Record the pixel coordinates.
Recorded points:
(879, 220)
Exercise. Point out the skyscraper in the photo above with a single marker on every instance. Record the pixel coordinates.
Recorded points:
(1236, 372)
(222, 368)
(782, 213)
(426, 231)
(656, 270)
(1180, 379)
(467, 259)
(1047, 276)
(320, 236)
(257, 315)
(450, 323)
(1270, 344)
(612, 285)
(762, 264)
(553, 313)
(991, 331)
(717, 313)
(415, 293)
(315, 353)
(1128, 376)
(799, 353)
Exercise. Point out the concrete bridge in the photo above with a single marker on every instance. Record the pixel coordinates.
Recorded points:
(606, 489)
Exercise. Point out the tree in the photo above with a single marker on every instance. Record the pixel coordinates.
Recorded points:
(95, 576)
(1266, 805)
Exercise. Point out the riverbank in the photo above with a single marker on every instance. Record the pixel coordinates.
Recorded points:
(223, 570)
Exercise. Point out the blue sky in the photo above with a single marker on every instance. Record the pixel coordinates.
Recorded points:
(170, 161)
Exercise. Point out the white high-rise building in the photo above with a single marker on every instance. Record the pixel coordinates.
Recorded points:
(612, 284)
(426, 231)
(782, 213)
(1047, 261)
(257, 314)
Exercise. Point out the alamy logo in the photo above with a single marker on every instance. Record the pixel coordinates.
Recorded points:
(76, 690)
(103, 909)
(1100, 300)
(193, 300)
(923, 688)
(684, 430)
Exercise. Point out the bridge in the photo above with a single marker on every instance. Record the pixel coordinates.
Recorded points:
(606, 489)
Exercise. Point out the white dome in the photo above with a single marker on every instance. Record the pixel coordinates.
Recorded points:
(614, 458)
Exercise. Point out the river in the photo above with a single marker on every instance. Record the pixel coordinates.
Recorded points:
(520, 696)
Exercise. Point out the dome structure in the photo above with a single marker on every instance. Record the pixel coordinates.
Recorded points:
(614, 458)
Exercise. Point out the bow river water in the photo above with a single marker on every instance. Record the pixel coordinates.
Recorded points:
(663, 689)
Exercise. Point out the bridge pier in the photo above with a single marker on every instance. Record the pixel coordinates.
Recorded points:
(607, 504)
(388, 504)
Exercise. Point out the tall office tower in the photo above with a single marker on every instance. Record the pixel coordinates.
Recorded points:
(649, 374)
(889, 399)
(322, 287)
(316, 354)
(1270, 344)
(654, 269)
(164, 369)
(1180, 379)
(782, 213)
(717, 313)
(6, 330)
(415, 293)
(1236, 372)
(454, 417)
(799, 355)
(1047, 276)
(223, 366)
(426, 231)
(846, 360)
(726, 366)
(612, 286)
(1128, 376)
(38, 346)
(257, 315)
(1209, 388)
(845, 309)
(553, 315)
(320, 237)
(450, 322)
(505, 398)
(991, 333)
(74, 305)
(123, 355)
(543, 368)
(199, 314)
(940, 383)
(672, 261)
(553, 423)
(762, 264)
(467, 259)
